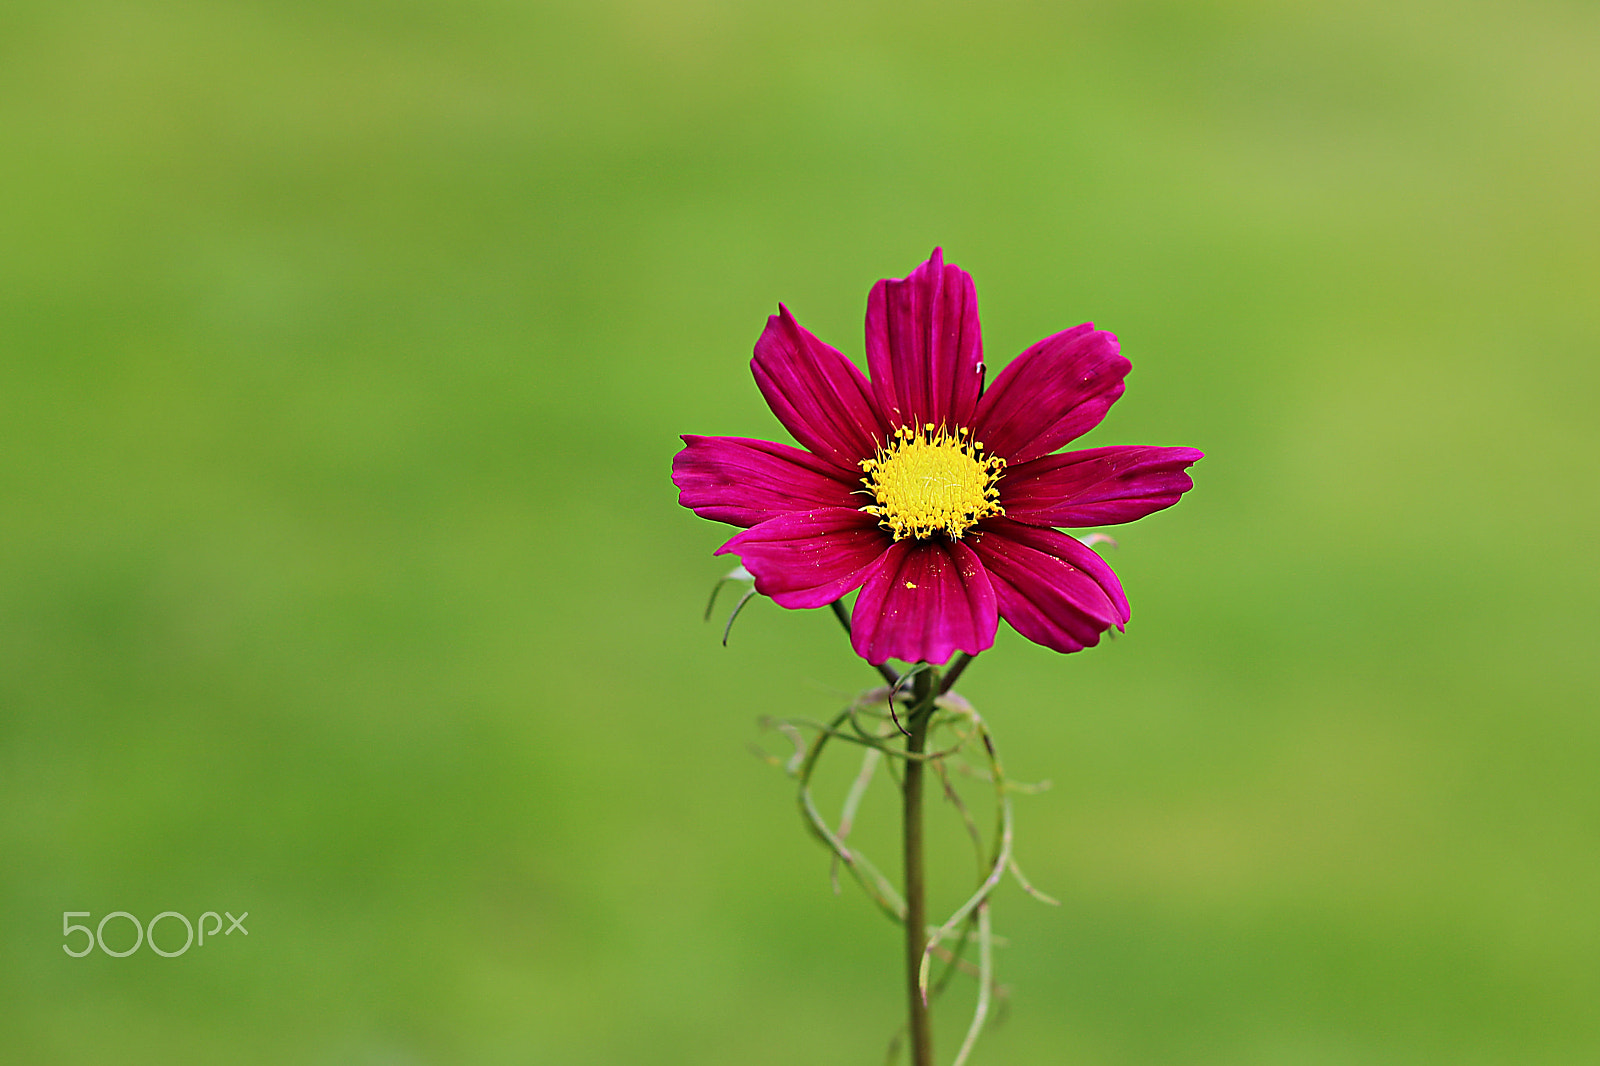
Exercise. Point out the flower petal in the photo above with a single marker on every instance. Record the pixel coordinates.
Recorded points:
(810, 558)
(743, 482)
(1055, 391)
(1096, 487)
(926, 600)
(816, 392)
(1051, 588)
(924, 349)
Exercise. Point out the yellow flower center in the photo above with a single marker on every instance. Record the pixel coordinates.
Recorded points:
(932, 480)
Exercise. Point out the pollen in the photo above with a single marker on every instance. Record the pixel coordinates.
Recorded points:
(932, 480)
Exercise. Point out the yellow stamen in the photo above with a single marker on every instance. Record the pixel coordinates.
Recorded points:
(932, 480)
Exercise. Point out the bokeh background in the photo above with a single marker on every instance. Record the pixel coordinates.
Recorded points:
(344, 348)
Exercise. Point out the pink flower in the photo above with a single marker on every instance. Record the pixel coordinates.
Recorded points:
(934, 496)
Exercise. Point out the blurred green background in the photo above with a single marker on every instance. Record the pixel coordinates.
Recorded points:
(344, 348)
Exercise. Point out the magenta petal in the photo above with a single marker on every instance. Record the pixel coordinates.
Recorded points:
(1055, 391)
(924, 350)
(927, 600)
(810, 558)
(816, 392)
(1096, 487)
(741, 481)
(1050, 587)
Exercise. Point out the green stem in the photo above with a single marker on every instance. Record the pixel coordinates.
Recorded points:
(953, 672)
(916, 903)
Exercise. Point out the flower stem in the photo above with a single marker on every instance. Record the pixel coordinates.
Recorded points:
(916, 905)
(953, 672)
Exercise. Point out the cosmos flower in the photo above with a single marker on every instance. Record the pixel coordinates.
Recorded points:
(937, 498)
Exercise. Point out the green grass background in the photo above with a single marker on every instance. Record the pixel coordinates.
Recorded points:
(343, 346)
